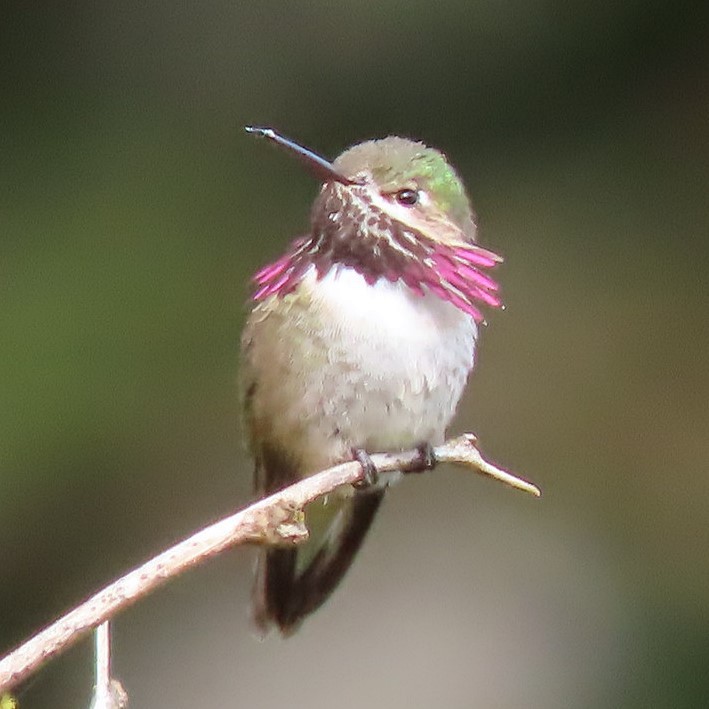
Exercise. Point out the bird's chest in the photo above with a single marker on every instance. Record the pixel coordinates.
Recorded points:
(375, 366)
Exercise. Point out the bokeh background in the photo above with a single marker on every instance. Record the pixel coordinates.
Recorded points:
(133, 210)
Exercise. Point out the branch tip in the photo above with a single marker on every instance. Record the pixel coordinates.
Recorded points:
(464, 451)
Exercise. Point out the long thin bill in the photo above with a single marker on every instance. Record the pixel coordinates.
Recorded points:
(321, 168)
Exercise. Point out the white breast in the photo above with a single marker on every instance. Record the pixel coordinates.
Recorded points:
(342, 364)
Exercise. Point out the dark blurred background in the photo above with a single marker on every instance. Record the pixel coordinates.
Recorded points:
(133, 211)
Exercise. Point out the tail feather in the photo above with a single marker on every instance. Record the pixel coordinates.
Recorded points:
(285, 595)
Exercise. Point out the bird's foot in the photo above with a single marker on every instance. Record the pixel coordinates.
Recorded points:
(427, 460)
(371, 475)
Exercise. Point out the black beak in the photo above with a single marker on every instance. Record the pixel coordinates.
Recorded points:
(321, 168)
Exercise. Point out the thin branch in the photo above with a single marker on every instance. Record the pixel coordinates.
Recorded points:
(274, 520)
(102, 650)
(108, 692)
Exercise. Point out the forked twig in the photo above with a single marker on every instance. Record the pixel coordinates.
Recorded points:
(274, 520)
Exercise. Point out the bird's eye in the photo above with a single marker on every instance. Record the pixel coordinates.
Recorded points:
(407, 197)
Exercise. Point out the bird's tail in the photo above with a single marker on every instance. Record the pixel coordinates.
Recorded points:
(292, 583)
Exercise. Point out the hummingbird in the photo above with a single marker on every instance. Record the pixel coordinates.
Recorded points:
(361, 339)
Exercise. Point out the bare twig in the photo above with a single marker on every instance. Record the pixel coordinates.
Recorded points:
(277, 519)
(108, 692)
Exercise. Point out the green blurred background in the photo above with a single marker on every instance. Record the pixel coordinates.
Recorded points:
(133, 211)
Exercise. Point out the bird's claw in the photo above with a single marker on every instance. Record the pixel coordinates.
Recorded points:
(371, 475)
(427, 461)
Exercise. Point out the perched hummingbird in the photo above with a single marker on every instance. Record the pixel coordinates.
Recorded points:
(360, 341)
